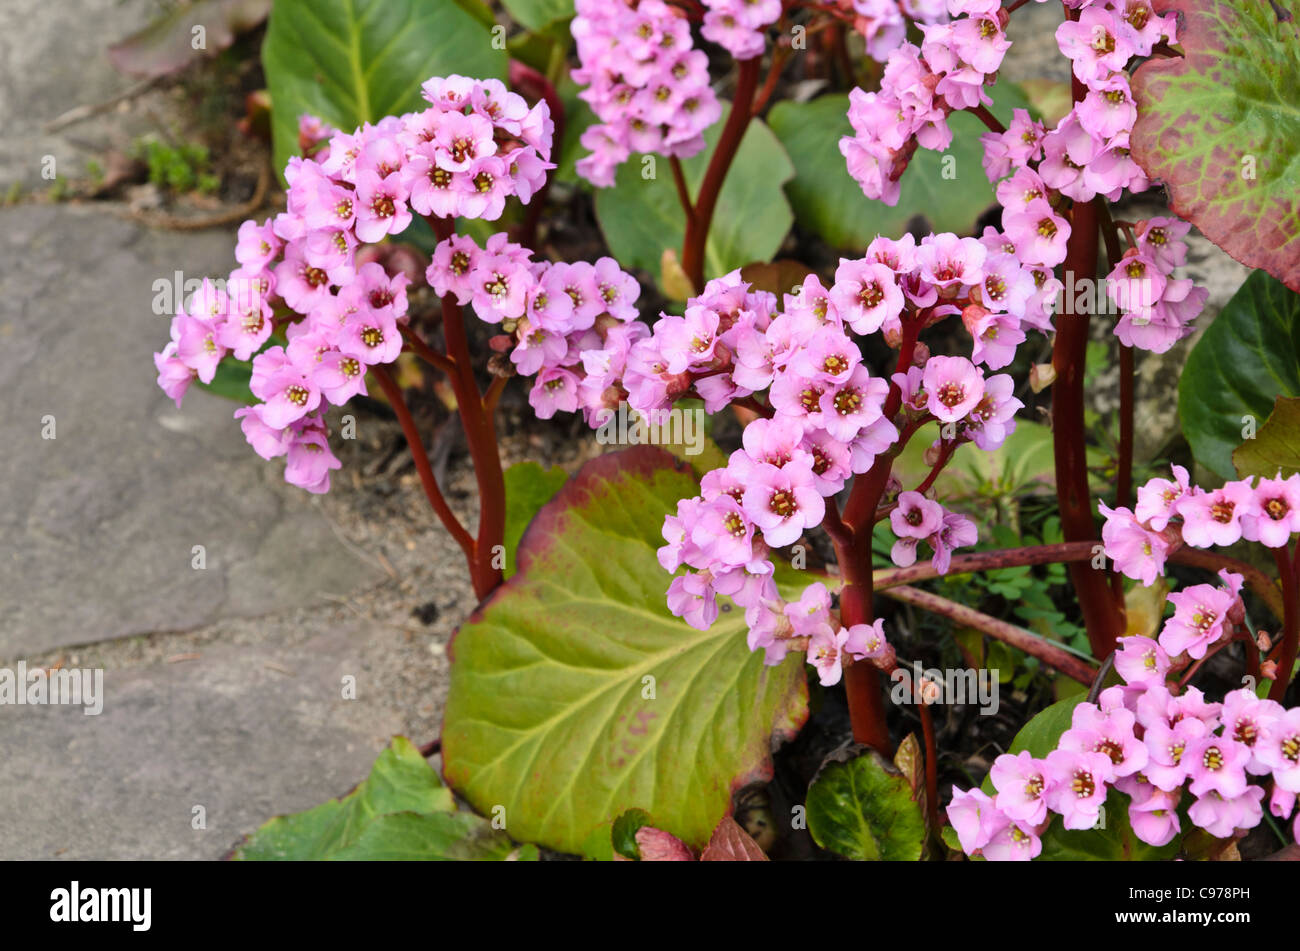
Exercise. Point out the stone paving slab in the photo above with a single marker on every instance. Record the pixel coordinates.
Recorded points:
(247, 733)
(99, 524)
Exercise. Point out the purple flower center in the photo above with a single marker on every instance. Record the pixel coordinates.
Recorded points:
(1221, 512)
(1083, 784)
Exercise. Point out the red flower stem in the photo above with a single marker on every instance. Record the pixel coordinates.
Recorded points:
(1066, 552)
(493, 395)
(427, 353)
(697, 229)
(861, 681)
(683, 192)
(1033, 645)
(931, 769)
(422, 465)
(1101, 609)
(1015, 6)
(1288, 567)
(993, 123)
(945, 454)
(480, 435)
(780, 56)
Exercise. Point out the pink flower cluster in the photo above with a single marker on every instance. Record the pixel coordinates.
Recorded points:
(1173, 512)
(571, 325)
(919, 89)
(824, 415)
(1158, 308)
(475, 146)
(1152, 744)
(646, 83)
(738, 25)
(883, 23)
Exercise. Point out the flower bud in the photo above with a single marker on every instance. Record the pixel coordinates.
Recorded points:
(1041, 376)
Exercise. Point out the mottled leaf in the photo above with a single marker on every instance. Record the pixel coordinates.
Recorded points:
(575, 695)
(731, 843)
(1219, 125)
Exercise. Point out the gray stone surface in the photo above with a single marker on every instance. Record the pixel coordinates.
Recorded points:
(53, 58)
(100, 523)
(245, 733)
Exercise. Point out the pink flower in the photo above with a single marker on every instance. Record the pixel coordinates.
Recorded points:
(1275, 516)
(1136, 551)
(1077, 786)
(975, 818)
(1280, 750)
(288, 392)
(1021, 782)
(691, 598)
(380, 206)
(825, 652)
(1039, 233)
(1214, 518)
(811, 612)
(1155, 818)
(174, 377)
(867, 641)
(1201, 617)
(1157, 501)
(916, 516)
(1167, 746)
(866, 294)
(1140, 660)
(1222, 817)
(954, 385)
(1014, 842)
(310, 459)
(783, 502)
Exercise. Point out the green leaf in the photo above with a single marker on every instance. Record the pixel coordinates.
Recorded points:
(1276, 447)
(576, 696)
(435, 837)
(528, 488)
(623, 834)
(231, 381)
(400, 781)
(864, 811)
(1219, 125)
(1245, 359)
(1115, 842)
(355, 61)
(535, 15)
(1041, 734)
(828, 202)
(641, 217)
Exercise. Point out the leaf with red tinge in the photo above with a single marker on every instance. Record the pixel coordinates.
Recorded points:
(1219, 127)
(169, 43)
(656, 845)
(576, 696)
(731, 843)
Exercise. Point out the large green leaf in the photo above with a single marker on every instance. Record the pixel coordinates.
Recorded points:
(534, 15)
(1276, 447)
(400, 811)
(642, 216)
(1248, 357)
(1220, 126)
(862, 810)
(828, 202)
(355, 61)
(576, 696)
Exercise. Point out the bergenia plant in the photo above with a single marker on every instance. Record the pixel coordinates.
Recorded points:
(658, 610)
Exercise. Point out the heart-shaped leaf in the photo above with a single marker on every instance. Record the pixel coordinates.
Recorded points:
(1248, 357)
(1219, 126)
(1276, 447)
(863, 810)
(575, 694)
(354, 61)
(641, 215)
